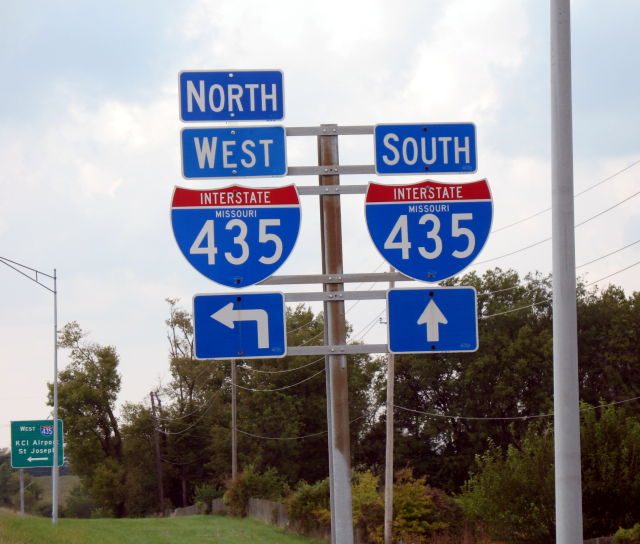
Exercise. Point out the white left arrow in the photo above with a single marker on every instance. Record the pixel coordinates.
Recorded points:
(432, 316)
(228, 317)
(37, 459)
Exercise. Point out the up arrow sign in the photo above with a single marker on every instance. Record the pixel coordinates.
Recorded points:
(432, 316)
(228, 317)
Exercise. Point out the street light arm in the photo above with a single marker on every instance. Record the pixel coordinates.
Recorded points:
(10, 264)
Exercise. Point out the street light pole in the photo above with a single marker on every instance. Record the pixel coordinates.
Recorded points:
(54, 468)
(21, 269)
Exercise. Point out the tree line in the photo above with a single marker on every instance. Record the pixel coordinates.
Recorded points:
(457, 416)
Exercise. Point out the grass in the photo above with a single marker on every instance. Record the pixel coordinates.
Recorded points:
(182, 530)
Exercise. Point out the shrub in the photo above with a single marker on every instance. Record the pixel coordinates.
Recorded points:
(308, 507)
(627, 536)
(420, 511)
(204, 495)
(253, 485)
(416, 516)
(78, 504)
(43, 509)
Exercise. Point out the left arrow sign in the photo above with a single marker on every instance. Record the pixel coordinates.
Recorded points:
(228, 317)
(240, 326)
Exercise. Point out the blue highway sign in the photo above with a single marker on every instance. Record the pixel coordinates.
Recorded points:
(439, 319)
(232, 95)
(438, 148)
(236, 236)
(238, 152)
(429, 231)
(239, 326)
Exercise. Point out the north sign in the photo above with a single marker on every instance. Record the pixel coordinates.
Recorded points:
(238, 152)
(239, 326)
(32, 444)
(429, 231)
(236, 236)
(438, 319)
(438, 148)
(232, 95)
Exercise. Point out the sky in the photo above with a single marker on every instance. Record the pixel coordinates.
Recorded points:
(90, 151)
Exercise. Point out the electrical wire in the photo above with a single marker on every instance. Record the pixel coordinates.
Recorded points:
(549, 238)
(549, 300)
(260, 371)
(280, 388)
(509, 418)
(574, 196)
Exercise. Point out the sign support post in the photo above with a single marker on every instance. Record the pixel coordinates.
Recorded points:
(388, 455)
(22, 492)
(335, 334)
(568, 486)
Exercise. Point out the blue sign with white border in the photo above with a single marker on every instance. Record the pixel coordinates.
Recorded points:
(437, 148)
(231, 95)
(236, 236)
(239, 326)
(429, 231)
(238, 152)
(438, 319)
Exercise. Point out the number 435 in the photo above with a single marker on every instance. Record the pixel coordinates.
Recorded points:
(399, 236)
(205, 242)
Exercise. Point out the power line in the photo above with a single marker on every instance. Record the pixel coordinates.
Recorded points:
(509, 418)
(575, 196)
(260, 371)
(280, 388)
(549, 238)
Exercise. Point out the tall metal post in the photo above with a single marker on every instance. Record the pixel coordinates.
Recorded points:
(19, 268)
(336, 334)
(54, 469)
(234, 423)
(568, 484)
(388, 462)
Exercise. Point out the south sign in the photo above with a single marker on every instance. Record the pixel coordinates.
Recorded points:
(429, 231)
(236, 236)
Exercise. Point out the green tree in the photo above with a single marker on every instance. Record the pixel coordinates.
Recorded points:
(512, 491)
(87, 392)
(9, 480)
(610, 445)
(609, 346)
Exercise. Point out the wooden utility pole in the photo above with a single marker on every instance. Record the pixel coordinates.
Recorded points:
(156, 443)
(234, 423)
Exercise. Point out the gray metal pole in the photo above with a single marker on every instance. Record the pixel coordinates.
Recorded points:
(388, 462)
(22, 492)
(54, 468)
(568, 484)
(234, 423)
(335, 325)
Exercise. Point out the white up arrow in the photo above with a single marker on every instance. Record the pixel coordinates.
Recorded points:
(228, 316)
(432, 317)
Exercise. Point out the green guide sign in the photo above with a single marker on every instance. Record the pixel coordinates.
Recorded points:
(32, 444)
